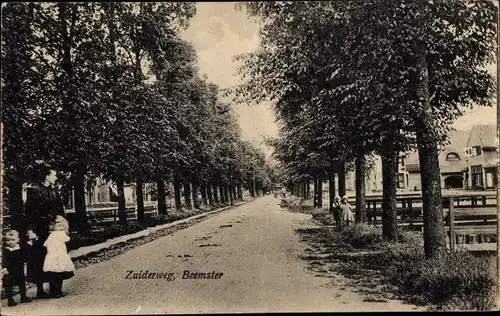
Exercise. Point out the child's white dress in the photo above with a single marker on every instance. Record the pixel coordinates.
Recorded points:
(348, 215)
(57, 259)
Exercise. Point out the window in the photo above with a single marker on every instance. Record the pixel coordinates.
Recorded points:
(490, 179)
(477, 150)
(477, 176)
(402, 161)
(452, 157)
(401, 181)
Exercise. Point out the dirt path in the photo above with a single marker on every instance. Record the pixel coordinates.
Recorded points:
(253, 248)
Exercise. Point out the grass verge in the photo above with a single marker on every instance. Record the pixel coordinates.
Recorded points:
(451, 281)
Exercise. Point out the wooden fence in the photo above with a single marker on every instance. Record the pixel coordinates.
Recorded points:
(109, 215)
(470, 218)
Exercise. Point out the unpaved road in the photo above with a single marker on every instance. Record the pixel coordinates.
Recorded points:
(257, 254)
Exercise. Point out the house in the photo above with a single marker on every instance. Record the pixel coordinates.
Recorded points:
(481, 158)
(467, 162)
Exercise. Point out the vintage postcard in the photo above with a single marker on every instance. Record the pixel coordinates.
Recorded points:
(249, 157)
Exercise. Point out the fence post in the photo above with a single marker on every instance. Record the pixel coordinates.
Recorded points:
(114, 216)
(451, 217)
(368, 214)
(412, 212)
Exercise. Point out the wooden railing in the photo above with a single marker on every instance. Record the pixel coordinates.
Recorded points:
(108, 215)
(470, 218)
(471, 224)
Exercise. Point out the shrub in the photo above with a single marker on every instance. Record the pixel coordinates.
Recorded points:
(150, 221)
(445, 280)
(361, 236)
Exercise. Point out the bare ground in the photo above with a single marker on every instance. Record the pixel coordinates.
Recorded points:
(262, 252)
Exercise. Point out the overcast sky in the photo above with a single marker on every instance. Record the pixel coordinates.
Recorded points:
(218, 33)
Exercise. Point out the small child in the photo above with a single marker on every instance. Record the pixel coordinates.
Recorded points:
(337, 213)
(13, 260)
(58, 264)
(347, 213)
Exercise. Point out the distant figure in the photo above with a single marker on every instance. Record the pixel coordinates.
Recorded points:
(347, 213)
(283, 192)
(337, 212)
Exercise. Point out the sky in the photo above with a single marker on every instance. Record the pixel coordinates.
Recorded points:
(219, 32)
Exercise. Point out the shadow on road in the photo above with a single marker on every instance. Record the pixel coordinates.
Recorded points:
(357, 270)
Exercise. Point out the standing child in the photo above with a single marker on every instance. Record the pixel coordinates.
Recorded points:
(347, 213)
(58, 264)
(337, 213)
(13, 267)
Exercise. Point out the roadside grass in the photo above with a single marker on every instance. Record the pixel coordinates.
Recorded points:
(105, 232)
(379, 269)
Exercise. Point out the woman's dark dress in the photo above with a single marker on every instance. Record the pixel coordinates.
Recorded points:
(43, 204)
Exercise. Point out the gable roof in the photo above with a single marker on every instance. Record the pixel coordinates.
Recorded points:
(486, 133)
(457, 142)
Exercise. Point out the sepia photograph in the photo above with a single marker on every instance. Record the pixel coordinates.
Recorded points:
(249, 157)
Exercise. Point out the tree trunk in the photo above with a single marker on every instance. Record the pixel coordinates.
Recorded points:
(342, 189)
(71, 141)
(360, 189)
(162, 202)
(139, 192)
(15, 200)
(203, 190)
(222, 194)
(210, 196)
(177, 193)
(235, 193)
(196, 203)
(231, 195)
(308, 190)
(80, 205)
(226, 194)
(331, 188)
(216, 197)
(430, 174)
(389, 173)
(122, 213)
(240, 193)
(320, 192)
(315, 198)
(187, 195)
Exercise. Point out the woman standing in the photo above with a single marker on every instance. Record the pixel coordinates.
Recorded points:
(43, 204)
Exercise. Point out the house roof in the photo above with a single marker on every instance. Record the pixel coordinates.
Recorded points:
(457, 142)
(487, 134)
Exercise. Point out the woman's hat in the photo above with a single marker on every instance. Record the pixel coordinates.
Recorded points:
(345, 198)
